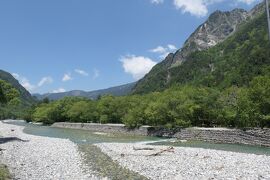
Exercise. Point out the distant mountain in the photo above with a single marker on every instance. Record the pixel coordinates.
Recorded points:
(26, 97)
(116, 91)
(216, 29)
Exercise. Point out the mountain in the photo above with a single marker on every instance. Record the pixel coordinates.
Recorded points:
(26, 97)
(116, 91)
(219, 27)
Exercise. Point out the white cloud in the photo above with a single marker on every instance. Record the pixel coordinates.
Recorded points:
(60, 90)
(96, 73)
(194, 7)
(247, 1)
(137, 66)
(31, 87)
(172, 47)
(157, 1)
(24, 82)
(16, 76)
(163, 51)
(199, 8)
(66, 77)
(81, 72)
(159, 49)
(45, 80)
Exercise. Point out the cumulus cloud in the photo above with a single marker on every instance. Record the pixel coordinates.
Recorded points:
(81, 72)
(137, 66)
(156, 1)
(194, 7)
(27, 85)
(45, 80)
(164, 51)
(24, 82)
(172, 47)
(199, 8)
(96, 73)
(16, 76)
(66, 77)
(247, 1)
(59, 90)
(159, 49)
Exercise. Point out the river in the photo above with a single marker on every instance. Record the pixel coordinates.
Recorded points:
(103, 165)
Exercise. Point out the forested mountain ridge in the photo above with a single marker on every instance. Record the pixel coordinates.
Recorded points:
(25, 96)
(116, 91)
(204, 38)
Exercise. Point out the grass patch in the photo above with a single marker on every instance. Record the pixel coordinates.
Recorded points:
(4, 173)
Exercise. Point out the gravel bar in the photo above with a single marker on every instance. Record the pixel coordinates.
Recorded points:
(41, 158)
(188, 163)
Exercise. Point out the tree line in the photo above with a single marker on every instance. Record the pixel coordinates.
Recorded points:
(178, 106)
(9, 99)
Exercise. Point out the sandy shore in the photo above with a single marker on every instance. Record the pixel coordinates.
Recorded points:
(189, 163)
(41, 157)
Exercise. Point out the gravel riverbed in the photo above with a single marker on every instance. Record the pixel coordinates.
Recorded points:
(188, 163)
(41, 157)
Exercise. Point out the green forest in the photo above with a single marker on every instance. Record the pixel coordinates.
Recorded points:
(9, 100)
(176, 107)
(225, 86)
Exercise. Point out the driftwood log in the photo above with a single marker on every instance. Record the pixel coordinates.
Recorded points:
(169, 149)
(146, 148)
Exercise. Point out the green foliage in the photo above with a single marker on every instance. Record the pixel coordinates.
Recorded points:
(175, 107)
(81, 111)
(10, 103)
(8, 94)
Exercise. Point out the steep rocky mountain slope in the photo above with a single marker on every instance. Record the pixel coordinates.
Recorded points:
(217, 28)
(26, 97)
(116, 91)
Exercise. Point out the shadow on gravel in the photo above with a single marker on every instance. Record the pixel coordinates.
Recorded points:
(8, 139)
(104, 166)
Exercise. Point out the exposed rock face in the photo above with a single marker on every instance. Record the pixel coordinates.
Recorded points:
(217, 28)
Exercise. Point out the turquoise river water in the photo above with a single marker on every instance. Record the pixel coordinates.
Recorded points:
(104, 166)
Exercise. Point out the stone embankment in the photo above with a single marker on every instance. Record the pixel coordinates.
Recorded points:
(259, 137)
(107, 128)
(256, 136)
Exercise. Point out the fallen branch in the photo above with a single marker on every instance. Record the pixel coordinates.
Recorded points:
(169, 149)
(147, 149)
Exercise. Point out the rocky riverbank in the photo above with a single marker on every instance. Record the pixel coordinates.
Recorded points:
(252, 136)
(40, 157)
(188, 163)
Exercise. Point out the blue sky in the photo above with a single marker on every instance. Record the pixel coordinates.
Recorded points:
(61, 45)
